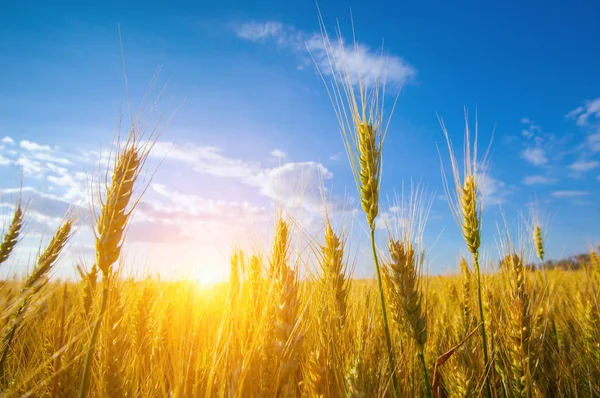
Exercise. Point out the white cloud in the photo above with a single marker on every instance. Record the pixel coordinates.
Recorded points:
(294, 184)
(593, 140)
(46, 206)
(536, 144)
(189, 207)
(494, 192)
(31, 168)
(167, 215)
(336, 156)
(4, 161)
(76, 184)
(569, 194)
(205, 159)
(47, 157)
(582, 114)
(359, 61)
(255, 31)
(539, 180)
(583, 165)
(33, 147)
(278, 153)
(45, 163)
(535, 156)
(8, 140)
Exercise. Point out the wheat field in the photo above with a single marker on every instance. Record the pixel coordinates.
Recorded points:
(272, 330)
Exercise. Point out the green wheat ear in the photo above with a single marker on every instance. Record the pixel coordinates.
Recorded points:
(468, 199)
(369, 160)
(539, 242)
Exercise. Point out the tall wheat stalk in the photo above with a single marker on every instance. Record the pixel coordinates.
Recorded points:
(282, 352)
(404, 271)
(359, 108)
(520, 326)
(466, 204)
(111, 224)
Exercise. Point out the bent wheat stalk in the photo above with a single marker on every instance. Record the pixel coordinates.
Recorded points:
(34, 283)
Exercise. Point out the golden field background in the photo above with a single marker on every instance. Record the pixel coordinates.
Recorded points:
(263, 335)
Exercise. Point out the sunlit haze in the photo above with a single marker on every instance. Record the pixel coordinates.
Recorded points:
(249, 130)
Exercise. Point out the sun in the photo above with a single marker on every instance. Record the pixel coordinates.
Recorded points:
(209, 276)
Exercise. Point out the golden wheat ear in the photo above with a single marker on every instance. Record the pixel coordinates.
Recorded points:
(48, 257)
(114, 214)
(12, 235)
(334, 272)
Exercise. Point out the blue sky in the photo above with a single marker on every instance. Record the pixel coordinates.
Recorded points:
(255, 129)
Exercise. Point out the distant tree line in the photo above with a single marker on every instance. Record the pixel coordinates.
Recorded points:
(571, 263)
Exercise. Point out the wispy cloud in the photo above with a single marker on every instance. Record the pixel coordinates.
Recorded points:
(45, 208)
(257, 31)
(583, 113)
(292, 184)
(587, 116)
(593, 140)
(584, 165)
(4, 161)
(359, 62)
(185, 205)
(61, 171)
(494, 191)
(539, 180)
(569, 194)
(278, 153)
(535, 156)
(336, 156)
(536, 143)
(33, 147)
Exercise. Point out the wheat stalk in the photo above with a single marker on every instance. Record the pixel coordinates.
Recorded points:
(360, 116)
(466, 204)
(60, 341)
(520, 330)
(111, 224)
(114, 343)
(282, 353)
(33, 284)
(405, 277)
